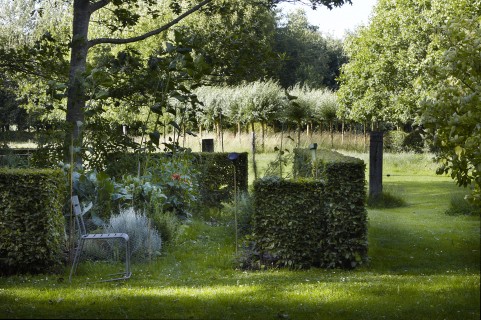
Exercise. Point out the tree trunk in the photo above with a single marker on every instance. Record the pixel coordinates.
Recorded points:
(375, 164)
(299, 134)
(239, 131)
(263, 128)
(76, 96)
(342, 133)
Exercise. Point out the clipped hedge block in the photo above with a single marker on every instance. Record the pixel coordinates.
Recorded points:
(31, 220)
(338, 234)
(345, 197)
(288, 221)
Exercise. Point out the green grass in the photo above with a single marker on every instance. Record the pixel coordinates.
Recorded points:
(424, 264)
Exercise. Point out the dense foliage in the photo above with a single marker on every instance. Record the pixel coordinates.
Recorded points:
(451, 109)
(345, 197)
(307, 57)
(416, 64)
(288, 222)
(322, 221)
(124, 80)
(32, 225)
(217, 176)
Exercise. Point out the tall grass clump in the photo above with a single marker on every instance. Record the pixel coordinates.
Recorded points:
(459, 206)
(167, 224)
(392, 196)
(386, 200)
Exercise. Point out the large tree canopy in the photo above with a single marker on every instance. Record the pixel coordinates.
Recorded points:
(99, 24)
(451, 105)
(418, 62)
(384, 59)
(308, 57)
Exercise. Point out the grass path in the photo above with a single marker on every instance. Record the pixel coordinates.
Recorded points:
(424, 265)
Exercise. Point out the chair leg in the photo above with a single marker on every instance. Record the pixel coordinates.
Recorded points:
(76, 258)
(127, 259)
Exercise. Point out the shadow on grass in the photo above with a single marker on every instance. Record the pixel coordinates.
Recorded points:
(421, 238)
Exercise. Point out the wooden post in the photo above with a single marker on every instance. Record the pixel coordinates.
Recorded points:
(207, 145)
(375, 164)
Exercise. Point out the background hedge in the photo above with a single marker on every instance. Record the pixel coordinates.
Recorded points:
(216, 179)
(31, 220)
(338, 234)
(216, 172)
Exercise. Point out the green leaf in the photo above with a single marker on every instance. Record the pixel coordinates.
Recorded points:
(155, 137)
(156, 108)
(175, 125)
(169, 47)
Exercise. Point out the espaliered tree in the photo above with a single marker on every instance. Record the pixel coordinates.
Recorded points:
(125, 16)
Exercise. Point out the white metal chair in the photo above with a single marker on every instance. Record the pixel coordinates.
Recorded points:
(84, 236)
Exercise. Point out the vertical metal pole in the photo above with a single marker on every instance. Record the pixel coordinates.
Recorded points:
(235, 209)
(313, 148)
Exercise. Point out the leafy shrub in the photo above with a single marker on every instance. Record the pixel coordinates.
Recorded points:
(216, 177)
(32, 223)
(212, 172)
(168, 225)
(177, 177)
(11, 159)
(145, 241)
(414, 142)
(50, 149)
(99, 189)
(394, 141)
(460, 206)
(345, 196)
(245, 211)
(400, 141)
(102, 138)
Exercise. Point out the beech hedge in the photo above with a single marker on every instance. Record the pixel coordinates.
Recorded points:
(337, 234)
(31, 220)
(288, 221)
(216, 179)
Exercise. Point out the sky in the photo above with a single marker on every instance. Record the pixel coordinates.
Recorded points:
(337, 21)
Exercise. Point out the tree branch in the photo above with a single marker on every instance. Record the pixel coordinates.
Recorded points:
(94, 42)
(98, 5)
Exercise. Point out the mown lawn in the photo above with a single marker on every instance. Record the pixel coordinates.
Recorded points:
(423, 265)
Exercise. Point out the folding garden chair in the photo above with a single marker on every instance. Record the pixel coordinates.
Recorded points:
(84, 236)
